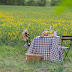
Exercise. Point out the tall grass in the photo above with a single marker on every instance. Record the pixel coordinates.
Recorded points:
(15, 19)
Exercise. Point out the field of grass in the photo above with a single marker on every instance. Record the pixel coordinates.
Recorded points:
(15, 19)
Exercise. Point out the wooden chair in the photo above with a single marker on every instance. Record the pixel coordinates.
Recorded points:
(66, 38)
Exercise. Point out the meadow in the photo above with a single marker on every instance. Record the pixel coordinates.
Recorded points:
(14, 20)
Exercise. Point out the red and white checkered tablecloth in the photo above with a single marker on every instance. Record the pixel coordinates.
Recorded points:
(48, 47)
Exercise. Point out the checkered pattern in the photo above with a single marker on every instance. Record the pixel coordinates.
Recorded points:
(61, 53)
(54, 53)
(46, 46)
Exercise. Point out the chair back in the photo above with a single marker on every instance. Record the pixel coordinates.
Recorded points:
(66, 38)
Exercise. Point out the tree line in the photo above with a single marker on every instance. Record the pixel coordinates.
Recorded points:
(30, 2)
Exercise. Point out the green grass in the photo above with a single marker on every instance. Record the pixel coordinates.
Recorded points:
(12, 50)
(12, 60)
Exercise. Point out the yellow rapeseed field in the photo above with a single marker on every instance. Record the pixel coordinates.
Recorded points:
(15, 19)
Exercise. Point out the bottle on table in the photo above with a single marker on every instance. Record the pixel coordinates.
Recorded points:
(50, 31)
(55, 33)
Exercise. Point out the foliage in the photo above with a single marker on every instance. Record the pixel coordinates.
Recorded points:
(55, 2)
(12, 2)
(37, 2)
(41, 3)
(30, 2)
(9, 2)
(63, 5)
(20, 2)
(13, 20)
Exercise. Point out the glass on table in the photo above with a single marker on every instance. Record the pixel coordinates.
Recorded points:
(46, 32)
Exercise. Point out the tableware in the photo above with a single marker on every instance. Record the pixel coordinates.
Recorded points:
(46, 32)
(55, 33)
(50, 31)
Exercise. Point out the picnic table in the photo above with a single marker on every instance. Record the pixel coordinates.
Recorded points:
(48, 47)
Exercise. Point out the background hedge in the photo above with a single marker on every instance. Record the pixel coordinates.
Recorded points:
(30, 2)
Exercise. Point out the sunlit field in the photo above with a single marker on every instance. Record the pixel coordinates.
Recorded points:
(14, 20)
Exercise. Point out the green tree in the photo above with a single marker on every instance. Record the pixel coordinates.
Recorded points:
(3, 2)
(55, 2)
(20, 2)
(31, 3)
(41, 3)
(9, 2)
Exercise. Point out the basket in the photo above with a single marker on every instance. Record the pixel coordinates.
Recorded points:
(33, 57)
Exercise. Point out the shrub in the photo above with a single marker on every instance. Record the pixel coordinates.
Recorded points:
(1, 2)
(31, 3)
(9, 2)
(41, 3)
(55, 2)
(19, 2)
(48, 3)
